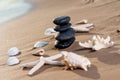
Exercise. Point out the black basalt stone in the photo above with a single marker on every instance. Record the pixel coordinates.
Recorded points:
(62, 20)
(62, 28)
(68, 34)
(64, 44)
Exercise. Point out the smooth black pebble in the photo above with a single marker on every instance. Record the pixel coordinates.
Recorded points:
(62, 20)
(66, 35)
(62, 28)
(64, 44)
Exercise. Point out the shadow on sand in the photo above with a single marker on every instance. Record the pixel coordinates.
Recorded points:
(108, 56)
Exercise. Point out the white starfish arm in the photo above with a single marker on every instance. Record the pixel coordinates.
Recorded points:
(83, 28)
(45, 61)
(86, 44)
(89, 25)
(57, 56)
(84, 21)
(77, 29)
(107, 39)
(30, 64)
(57, 63)
(37, 67)
(98, 47)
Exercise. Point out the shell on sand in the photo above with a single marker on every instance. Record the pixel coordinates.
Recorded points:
(98, 43)
(49, 31)
(40, 44)
(13, 61)
(73, 61)
(13, 51)
(40, 52)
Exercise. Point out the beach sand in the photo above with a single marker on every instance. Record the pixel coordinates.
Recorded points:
(24, 31)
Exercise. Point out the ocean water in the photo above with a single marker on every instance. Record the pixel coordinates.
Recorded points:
(10, 9)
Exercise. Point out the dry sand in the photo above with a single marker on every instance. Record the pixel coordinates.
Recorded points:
(26, 30)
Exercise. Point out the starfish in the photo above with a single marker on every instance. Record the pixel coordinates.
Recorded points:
(41, 62)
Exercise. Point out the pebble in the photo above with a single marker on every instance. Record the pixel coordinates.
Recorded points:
(62, 28)
(66, 35)
(62, 20)
(64, 44)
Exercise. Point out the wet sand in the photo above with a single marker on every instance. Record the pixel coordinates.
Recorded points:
(28, 29)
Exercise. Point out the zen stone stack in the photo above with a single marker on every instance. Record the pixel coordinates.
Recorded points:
(66, 34)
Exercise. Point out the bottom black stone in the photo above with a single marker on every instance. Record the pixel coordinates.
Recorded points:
(64, 44)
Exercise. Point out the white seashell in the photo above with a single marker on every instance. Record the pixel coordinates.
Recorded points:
(73, 61)
(98, 43)
(40, 44)
(13, 51)
(83, 28)
(40, 52)
(13, 61)
(84, 21)
(49, 31)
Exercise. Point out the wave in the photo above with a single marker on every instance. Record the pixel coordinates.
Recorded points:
(10, 9)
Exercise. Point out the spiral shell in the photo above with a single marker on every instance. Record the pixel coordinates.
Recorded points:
(73, 61)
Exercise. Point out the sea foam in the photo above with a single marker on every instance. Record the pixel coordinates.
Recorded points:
(10, 9)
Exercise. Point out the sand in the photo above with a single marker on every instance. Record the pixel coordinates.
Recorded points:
(24, 31)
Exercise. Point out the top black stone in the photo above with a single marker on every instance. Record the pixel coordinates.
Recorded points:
(61, 20)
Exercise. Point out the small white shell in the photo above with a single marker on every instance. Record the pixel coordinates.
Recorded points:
(49, 31)
(40, 44)
(40, 52)
(13, 51)
(13, 61)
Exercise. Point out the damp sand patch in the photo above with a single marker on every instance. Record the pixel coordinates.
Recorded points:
(11, 9)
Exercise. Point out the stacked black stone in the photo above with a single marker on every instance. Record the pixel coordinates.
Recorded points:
(66, 34)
